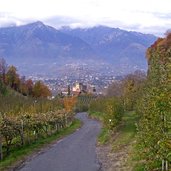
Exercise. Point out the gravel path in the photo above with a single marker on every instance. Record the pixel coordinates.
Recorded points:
(76, 152)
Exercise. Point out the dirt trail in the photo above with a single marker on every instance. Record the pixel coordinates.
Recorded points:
(113, 160)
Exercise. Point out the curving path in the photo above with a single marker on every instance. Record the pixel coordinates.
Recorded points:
(76, 152)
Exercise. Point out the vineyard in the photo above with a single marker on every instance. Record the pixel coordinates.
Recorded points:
(83, 102)
(25, 120)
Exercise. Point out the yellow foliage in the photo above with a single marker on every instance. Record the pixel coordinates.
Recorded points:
(69, 103)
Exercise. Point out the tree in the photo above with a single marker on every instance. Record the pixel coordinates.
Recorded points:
(115, 89)
(113, 112)
(69, 103)
(128, 89)
(3, 69)
(3, 88)
(69, 90)
(131, 89)
(22, 87)
(41, 90)
(29, 85)
(12, 78)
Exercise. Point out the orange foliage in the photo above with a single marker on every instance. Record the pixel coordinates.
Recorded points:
(69, 103)
(162, 43)
(29, 85)
(40, 90)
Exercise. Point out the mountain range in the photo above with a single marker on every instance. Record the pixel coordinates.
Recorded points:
(38, 44)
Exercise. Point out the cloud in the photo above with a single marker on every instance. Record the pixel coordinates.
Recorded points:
(59, 21)
(142, 15)
(162, 15)
(156, 30)
(8, 20)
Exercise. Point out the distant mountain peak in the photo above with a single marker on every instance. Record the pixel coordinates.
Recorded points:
(38, 27)
(37, 24)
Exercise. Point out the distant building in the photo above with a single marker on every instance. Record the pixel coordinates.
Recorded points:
(79, 88)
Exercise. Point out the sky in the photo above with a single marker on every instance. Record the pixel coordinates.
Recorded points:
(146, 16)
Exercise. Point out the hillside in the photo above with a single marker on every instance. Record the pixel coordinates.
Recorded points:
(115, 45)
(37, 46)
(37, 41)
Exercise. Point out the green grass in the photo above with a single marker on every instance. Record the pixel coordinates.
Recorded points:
(104, 136)
(126, 138)
(139, 167)
(127, 131)
(21, 154)
(96, 115)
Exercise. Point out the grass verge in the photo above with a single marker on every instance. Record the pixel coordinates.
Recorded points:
(104, 134)
(127, 131)
(122, 139)
(18, 155)
(96, 115)
(127, 139)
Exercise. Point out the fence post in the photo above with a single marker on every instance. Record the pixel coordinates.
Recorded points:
(1, 153)
(167, 166)
(22, 132)
(163, 164)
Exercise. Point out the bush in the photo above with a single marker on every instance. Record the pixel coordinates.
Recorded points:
(111, 109)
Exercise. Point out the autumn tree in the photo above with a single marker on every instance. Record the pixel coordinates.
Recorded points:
(69, 103)
(128, 89)
(12, 78)
(41, 90)
(131, 89)
(29, 85)
(23, 87)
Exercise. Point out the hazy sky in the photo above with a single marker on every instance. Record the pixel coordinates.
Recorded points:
(148, 16)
